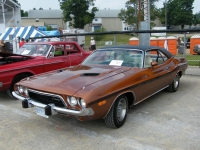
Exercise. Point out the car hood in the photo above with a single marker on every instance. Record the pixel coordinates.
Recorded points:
(72, 79)
(3, 55)
(9, 61)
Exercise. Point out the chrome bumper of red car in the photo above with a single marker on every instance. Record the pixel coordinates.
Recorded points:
(51, 109)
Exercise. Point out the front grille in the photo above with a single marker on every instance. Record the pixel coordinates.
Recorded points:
(46, 98)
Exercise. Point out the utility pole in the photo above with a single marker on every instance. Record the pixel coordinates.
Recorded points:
(144, 11)
(166, 13)
(139, 14)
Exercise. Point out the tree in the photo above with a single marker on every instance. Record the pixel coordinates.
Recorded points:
(196, 19)
(100, 37)
(24, 13)
(131, 13)
(198, 15)
(40, 8)
(34, 8)
(78, 11)
(49, 28)
(179, 12)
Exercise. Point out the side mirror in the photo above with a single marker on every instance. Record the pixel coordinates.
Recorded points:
(154, 63)
(51, 54)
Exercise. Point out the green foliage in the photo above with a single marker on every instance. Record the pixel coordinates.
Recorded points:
(196, 19)
(198, 15)
(100, 37)
(24, 13)
(79, 10)
(49, 28)
(131, 13)
(179, 12)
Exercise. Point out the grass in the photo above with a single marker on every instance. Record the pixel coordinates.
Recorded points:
(193, 60)
(121, 39)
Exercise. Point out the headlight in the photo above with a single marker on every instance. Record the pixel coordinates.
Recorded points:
(20, 89)
(72, 100)
(25, 91)
(82, 103)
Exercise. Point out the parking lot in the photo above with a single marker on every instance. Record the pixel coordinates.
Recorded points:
(164, 121)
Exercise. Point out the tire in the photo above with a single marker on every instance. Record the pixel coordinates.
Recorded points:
(118, 113)
(173, 87)
(15, 80)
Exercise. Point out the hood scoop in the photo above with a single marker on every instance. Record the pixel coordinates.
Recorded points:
(89, 74)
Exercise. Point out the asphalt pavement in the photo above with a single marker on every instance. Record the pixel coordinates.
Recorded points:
(166, 121)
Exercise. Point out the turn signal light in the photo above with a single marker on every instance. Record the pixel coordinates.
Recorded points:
(102, 103)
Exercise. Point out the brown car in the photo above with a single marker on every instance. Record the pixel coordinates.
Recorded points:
(105, 85)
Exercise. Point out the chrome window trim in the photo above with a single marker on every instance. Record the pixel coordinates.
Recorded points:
(124, 49)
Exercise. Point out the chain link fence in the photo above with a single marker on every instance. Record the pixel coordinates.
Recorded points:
(190, 49)
(181, 43)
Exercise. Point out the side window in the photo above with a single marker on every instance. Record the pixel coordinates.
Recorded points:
(161, 57)
(147, 61)
(59, 50)
(150, 56)
(72, 49)
(51, 54)
(156, 56)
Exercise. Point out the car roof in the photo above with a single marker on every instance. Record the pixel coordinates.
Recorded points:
(140, 47)
(53, 42)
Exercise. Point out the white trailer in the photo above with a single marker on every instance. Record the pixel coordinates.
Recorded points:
(79, 39)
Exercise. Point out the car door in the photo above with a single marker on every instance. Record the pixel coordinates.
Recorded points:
(157, 77)
(75, 55)
(56, 58)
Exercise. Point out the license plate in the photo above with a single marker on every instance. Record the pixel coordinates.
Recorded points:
(41, 112)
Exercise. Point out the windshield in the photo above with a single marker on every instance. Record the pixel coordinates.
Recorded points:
(116, 57)
(34, 49)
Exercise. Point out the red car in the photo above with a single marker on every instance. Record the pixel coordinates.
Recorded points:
(35, 58)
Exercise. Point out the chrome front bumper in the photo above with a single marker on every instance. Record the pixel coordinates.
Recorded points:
(51, 109)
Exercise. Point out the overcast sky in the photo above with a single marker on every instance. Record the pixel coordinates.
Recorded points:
(101, 4)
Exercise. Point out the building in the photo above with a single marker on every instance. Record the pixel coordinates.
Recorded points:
(106, 18)
(49, 17)
(10, 15)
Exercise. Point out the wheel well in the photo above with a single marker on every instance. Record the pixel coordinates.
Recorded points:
(24, 73)
(17, 78)
(131, 98)
(180, 73)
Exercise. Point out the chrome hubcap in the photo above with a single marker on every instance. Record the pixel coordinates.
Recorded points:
(121, 109)
(176, 81)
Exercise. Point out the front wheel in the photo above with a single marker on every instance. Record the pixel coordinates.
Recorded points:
(15, 80)
(118, 112)
(173, 87)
